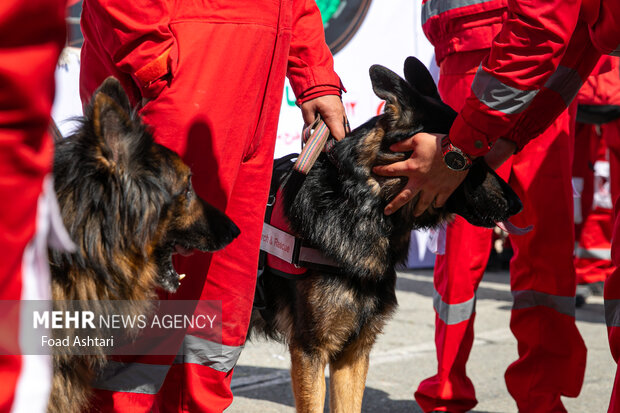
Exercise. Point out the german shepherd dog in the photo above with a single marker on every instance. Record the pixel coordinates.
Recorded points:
(128, 204)
(334, 317)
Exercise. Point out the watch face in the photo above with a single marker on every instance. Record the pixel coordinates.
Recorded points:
(455, 160)
(341, 19)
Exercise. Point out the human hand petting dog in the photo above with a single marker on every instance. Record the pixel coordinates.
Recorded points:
(332, 112)
(426, 171)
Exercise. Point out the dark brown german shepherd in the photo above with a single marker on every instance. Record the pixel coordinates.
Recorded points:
(334, 318)
(128, 204)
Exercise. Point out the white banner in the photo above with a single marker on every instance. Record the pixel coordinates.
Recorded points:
(390, 32)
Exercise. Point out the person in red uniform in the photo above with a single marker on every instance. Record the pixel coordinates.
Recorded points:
(536, 63)
(542, 268)
(210, 76)
(32, 35)
(597, 137)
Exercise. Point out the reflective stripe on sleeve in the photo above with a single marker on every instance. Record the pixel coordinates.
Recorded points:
(435, 7)
(509, 100)
(208, 353)
(529, 298)
(131, 377)
(453, 313)
(499, 96)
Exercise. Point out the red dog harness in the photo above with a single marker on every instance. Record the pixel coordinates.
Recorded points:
(282, 252)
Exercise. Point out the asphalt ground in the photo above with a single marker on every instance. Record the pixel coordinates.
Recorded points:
(405, 355)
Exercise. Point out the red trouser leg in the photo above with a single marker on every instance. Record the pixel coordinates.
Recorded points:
(612, 316)
(611, 134)
(552, 354)
(593, 233)
(612, 284)
(583, 173)
(612, 309)
(592, 256)
(456, 277)
(31, 37)
(444, 391)
(231, 278)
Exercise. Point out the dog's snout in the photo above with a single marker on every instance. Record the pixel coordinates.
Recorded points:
(514, 205)
(220, 229)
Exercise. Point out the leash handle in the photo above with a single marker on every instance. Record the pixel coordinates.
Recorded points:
(314, 135)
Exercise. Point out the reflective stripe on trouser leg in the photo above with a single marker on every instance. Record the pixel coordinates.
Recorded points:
(552, 354)
(212, 362)
(207, 353)
(451, 314)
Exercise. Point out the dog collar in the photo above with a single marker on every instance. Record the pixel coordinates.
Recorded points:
(453, 157)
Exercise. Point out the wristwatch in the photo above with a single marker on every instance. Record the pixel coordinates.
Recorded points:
(453, 157)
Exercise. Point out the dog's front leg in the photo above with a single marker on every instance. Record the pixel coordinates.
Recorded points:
(308, 379)
(347, 380)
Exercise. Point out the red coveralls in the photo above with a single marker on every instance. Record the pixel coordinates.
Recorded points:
(543, 50)
(31, 37)
(593, 143)
(542, 274)
(223, 65)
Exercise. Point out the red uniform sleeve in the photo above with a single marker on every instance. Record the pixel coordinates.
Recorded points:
(310, 63)
(137, 37)
(524, 57)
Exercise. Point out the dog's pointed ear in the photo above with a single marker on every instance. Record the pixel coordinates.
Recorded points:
(112, 87)
(418, 76)
(393, 89)
(437, 117)
(111, 116)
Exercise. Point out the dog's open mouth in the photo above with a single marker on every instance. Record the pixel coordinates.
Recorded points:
(169, 278)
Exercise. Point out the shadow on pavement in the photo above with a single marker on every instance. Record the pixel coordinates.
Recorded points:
(425, 287)
(270, 384)
(274, 385)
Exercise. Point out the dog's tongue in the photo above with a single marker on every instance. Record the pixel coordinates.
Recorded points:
(183, 251)
(510, 228)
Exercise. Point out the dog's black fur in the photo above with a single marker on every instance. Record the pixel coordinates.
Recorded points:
(338, 207)
(128, 204)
